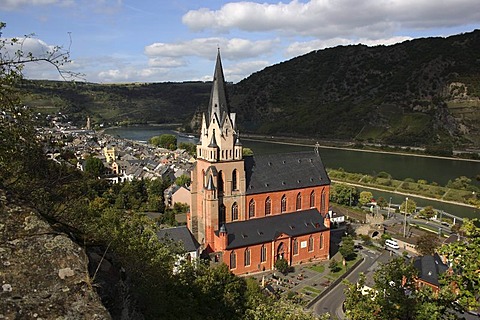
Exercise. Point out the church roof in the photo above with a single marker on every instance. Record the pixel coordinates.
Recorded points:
(286, 171)
(218, 96)
(260, 230)
(430, 268)
(179, 234)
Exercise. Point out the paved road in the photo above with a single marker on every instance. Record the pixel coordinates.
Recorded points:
(332, 302)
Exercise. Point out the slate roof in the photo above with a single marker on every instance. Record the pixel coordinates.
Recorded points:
(430, 268)
(286, 171)
(261, 230)
(179, 234)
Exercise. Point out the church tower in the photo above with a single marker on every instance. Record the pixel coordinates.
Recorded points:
(218, 177)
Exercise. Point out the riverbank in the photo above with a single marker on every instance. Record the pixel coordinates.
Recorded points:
(403, 193)
(325, 146)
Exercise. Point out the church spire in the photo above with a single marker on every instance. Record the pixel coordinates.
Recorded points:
(218, 97)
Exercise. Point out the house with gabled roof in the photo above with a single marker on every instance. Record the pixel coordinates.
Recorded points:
(248, 212)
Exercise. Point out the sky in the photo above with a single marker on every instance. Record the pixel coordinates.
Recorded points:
(119, 41)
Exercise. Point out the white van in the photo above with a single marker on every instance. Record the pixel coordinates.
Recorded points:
(391, 244)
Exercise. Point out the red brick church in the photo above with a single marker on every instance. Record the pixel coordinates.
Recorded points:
(249, 211)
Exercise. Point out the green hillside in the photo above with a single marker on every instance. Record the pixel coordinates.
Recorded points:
(118, 103)
(419, 92)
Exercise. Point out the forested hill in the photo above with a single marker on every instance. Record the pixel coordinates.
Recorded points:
(419, 92)
(112, 104)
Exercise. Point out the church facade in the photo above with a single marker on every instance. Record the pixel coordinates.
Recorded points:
(249, 211)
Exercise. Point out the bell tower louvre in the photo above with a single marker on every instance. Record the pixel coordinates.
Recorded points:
(250, 211)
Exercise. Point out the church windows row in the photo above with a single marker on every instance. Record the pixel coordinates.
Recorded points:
(247, 257)
(283, 204)
(247, 254)
(220, 181)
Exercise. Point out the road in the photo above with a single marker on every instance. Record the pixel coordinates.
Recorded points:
(332, 302)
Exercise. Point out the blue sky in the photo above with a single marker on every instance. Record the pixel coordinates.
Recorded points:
(159, 40)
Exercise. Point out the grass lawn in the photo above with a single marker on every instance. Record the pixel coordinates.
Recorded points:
(317, 267)
(334, 275)
(311, 289)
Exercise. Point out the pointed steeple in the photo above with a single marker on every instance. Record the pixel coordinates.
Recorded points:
(218, 97)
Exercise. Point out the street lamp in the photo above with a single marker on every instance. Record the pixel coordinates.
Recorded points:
(389, 205)
(405, 218)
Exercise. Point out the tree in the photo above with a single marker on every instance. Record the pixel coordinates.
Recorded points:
(344, 195)
(282, 266)
(247, 152)
(365, 197)
(167, 141)
(381, 202)
(334, 266)
(347, 248)
(427, 212)
(183, 180)
(427, 244)
(409, 206)
(191, 148)
(360, 304)
(94, 166)
(464, 257)
(394, 295)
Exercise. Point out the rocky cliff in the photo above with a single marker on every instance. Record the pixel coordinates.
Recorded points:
(43, 273)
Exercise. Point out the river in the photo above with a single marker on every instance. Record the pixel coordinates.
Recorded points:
(399, 166)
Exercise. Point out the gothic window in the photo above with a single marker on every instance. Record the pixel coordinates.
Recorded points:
(298, 205)
(235, 212)
(247, 257)
(323, 202)
(321, 240)
(251, 209)
(295, 246)
(312, 199)
(310, 244)
(233, 260)
(220, 182)
(268, 206)
(221, 215)
(263, 253)
(234, 179)
(284, 204)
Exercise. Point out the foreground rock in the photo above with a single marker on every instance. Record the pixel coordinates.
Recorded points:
(43, 273)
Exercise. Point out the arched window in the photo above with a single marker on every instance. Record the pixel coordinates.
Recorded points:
(234, 179)
(204, 178)
(233, 260)
(220, 182)
(323, 202)
(247, 257)
(321, 240)
(310, 244)
(295, 246)
(251, 209)
(312, 199)
(284, 204)
(234, 211)
(298, 205)
(263, 253)
(268, 206)
(221, 215)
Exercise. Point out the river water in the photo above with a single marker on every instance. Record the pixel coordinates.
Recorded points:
(399, 166)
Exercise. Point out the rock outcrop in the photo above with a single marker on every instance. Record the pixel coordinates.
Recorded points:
(43, 273)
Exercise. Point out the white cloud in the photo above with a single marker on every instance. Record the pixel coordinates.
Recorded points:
(239, 71)
(233, 49)
(335, 18)
(300, 48)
